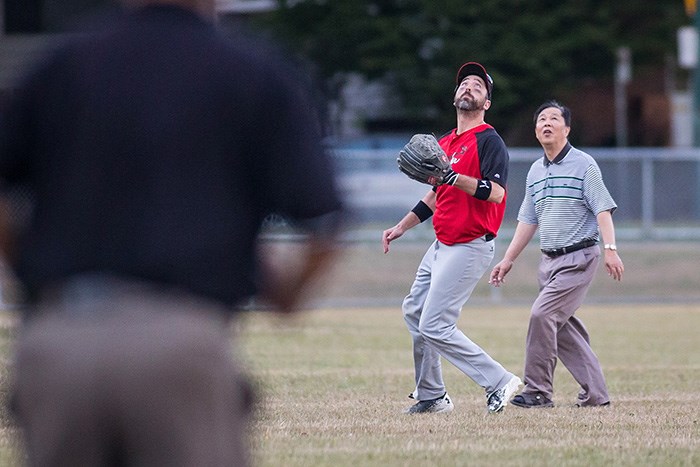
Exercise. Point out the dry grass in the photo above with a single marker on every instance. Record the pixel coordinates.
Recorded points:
(334, 383)
(654, 271)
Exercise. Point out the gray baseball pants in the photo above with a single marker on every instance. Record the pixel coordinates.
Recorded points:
(112, 372)
(445, 279)
(554, 331)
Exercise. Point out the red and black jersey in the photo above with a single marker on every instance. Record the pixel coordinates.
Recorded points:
(481, 153)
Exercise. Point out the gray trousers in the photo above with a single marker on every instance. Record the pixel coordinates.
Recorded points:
(115, 373)
(554, 332)
(445, 279)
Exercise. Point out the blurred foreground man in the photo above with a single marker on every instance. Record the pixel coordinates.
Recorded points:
(154, 149)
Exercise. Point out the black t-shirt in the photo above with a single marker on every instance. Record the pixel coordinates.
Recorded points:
(155, 148)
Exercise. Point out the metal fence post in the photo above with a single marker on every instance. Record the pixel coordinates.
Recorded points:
(647, 192)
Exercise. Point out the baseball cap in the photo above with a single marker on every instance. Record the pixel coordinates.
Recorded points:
(473, 68)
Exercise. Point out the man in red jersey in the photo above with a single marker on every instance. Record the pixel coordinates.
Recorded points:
(467, 211)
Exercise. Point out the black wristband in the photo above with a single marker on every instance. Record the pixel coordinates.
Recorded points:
(483, 189)
(422, 211)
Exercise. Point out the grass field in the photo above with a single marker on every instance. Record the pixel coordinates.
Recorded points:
(334, 383)
(333, 380)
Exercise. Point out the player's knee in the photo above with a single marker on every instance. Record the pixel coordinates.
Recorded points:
(411, 322)
(411, 311)
(434, 333)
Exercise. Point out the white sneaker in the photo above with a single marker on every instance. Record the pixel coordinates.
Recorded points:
(439, 405)
(498, 399)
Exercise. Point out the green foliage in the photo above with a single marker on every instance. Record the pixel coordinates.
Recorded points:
(535, 49)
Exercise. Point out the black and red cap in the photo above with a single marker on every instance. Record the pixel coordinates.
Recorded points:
(474, 68)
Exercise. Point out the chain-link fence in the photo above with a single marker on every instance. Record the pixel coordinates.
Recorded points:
(657, 189)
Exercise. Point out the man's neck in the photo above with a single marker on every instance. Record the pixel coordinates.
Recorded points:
(468, 119)
(551, 151)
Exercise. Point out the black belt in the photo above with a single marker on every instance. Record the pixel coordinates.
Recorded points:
(489, 237)
(569, 249)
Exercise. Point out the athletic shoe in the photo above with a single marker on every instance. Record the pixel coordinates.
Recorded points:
(531, 401)
(498, 399)
(439, 405)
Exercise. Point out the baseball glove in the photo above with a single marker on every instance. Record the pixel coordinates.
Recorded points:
(423, 159)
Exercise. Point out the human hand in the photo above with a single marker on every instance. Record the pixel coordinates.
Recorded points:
(614, 265)
(390, 235)
(499, 272)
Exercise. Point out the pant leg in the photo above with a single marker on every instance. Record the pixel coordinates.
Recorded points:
(426, 360)
(135, 378)
(456, 270)
(188, 405)
(576, 354)
(57, 395)
(564, 282)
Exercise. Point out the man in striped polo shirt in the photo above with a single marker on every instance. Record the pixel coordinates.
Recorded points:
(566, 197)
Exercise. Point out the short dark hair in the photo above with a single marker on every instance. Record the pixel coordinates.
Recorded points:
(565, 112)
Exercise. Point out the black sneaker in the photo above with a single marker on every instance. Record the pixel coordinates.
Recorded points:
(439, 405)
(531, 401)
(498, 399)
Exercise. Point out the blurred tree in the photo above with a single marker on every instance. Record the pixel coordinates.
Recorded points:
(535, 49)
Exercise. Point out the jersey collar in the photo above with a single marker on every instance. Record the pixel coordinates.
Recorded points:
(562, 154)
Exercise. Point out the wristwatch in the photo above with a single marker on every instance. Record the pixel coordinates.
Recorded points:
(610, 246)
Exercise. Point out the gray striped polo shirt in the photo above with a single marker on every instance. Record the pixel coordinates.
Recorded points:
(563, 197)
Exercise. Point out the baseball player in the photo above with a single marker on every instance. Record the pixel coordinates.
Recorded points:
(566, 197)
(467, 209)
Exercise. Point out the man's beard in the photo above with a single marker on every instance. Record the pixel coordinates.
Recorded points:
(468, 104)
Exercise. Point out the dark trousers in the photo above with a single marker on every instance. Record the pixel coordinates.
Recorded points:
(554, 332)
(113, 373)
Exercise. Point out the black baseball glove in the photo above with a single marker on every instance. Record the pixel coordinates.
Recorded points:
(423, 159)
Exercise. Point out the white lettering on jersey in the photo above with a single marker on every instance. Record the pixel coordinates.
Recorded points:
(456, 159)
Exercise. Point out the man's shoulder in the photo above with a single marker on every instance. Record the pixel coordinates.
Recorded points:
(537, 168)
(486, 137)
(486, 130)
(580, 157)
(490, 143)
(488, 134)
(539, 162)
